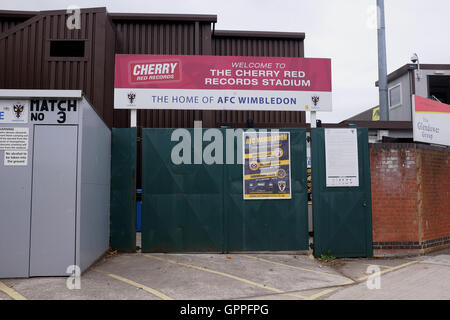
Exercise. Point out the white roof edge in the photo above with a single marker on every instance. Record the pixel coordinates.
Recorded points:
(35, 93)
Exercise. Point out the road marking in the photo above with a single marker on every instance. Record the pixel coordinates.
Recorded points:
(321, 293)
(389, 270)
(297, 296)
(224, 275)
(378, 265)
(348, 281)
(137, 285)
(11, 292)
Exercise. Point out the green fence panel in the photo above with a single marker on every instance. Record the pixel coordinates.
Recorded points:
(123, 189)
(182, 205)
(268, 225)
(200, 207)
(342, 216)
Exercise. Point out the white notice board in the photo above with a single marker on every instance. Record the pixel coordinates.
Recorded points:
(341, 157)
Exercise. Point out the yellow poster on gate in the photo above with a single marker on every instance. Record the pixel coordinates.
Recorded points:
(266, 165)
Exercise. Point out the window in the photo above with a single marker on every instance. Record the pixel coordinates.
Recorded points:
(395, 96)
(67, 48)
(439, 88)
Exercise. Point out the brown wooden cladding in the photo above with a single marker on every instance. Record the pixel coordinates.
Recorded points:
(25, 61)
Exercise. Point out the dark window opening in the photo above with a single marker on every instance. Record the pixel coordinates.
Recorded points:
(67, 48)
(440, 88)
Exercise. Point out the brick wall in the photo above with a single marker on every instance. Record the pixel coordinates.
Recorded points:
(410, 198)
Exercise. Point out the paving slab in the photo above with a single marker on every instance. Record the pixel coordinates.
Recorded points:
(259, 276)
(176, 281)
(286, 274)
(443, 259)
(94, 286)
(356, 269)
(414, 282)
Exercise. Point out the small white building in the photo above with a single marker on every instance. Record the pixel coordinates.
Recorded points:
(426, 80)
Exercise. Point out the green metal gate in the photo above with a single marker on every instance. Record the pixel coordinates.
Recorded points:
(199, 207)
(182, 205)
(342, 216)
(123, 189)
(268, 225)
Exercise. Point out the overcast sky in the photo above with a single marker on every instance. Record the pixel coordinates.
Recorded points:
(343, 30)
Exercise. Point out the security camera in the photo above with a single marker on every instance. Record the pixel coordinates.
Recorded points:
(415, 60)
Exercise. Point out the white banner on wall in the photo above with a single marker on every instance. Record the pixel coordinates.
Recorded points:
(221, 100)
(222, 83)
(431, 121)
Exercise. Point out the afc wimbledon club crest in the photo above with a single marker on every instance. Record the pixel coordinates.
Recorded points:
(282, 185)
(315, 100)
(131, 97)
(14, 111)
(18, 111)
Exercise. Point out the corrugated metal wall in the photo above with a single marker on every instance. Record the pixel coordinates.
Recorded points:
(259, 44)
(9, 19)
(249, 44)
(162, 37)
(25, 60)
(8, 23)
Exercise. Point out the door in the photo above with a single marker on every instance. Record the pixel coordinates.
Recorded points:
(54, 192)
(342, 215)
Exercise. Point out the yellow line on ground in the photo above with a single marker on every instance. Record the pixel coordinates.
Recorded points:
(137, 285)
(11, 292)
(348, 281)
(389, 270)
(297, 296)
(320, 294)
(223, 275)
(378, 265)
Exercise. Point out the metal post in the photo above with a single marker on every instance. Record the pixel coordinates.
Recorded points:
(313, 119)
(133, 118)
(382, 64)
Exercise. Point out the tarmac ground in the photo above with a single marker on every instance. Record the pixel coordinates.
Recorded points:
(142, 276)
